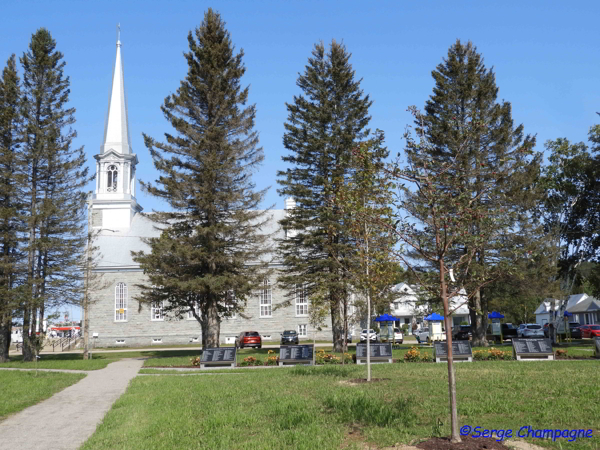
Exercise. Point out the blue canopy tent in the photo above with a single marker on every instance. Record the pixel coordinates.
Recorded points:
(386, 318)
(434, 316)
(496, 327)
(435, 329)
(387, 323)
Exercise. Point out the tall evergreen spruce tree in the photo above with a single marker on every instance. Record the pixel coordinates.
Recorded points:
(10, 205)
(54, 176)
(324, 125)
(496, 152)
(210, 257)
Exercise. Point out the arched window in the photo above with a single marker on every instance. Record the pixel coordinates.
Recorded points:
(301, 301)
(266, 299)
(121, 302)
(112, 176)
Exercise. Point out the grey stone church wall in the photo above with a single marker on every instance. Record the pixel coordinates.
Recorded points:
(141, 330)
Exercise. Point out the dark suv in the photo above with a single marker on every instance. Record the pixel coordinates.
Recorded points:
(289, 337)
(463, 333)
(248, 339)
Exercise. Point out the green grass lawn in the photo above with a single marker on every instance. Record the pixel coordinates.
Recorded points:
(23, 389)
(74, 361)
(317, 407)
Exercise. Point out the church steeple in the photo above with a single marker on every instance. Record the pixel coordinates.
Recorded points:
(113, 203)
(116, 131)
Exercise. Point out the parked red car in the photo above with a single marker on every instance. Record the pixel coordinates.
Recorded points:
(248, 339)
(590, 331)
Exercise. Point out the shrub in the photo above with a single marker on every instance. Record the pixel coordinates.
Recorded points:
(561, 352)
(272, 360)
(480, 355)
(426, 357)
(413, 355)
(251, 361)
(195, 361)
(495, 354)
(326, 358)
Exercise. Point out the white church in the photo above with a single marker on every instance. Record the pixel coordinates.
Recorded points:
(116, 318)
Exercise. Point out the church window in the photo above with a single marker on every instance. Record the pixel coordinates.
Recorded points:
(121, 302)
(266, 299)
(156, 312)
(301, 301)
(113, 175)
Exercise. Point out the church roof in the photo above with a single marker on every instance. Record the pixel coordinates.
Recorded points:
(115, 246)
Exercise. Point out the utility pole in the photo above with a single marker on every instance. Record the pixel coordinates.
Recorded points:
(86, 288)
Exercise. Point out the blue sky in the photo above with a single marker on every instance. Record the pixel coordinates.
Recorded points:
(546, 56)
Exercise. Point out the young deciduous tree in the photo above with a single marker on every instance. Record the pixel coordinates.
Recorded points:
(10, 204)
(324, 124)
(211, 255)
(366, 203)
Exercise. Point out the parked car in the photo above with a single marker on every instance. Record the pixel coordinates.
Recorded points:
(372, 335)
(248, 339)
(422, 335)
(398, 336)
(528, 330)
(508, 331)
(289, 337)
(462, 333)
(590, 331)
(573, 328)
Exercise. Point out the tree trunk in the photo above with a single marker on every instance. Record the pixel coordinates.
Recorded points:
(477, 321)
(336, 323)
(5, 332)
(212, 325)
(455, 436)
(27, 355)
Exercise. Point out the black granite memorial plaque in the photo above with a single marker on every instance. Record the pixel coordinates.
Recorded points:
(218, 356)
(526, 349)
(460, 350)
(379, 352)
(296, 354)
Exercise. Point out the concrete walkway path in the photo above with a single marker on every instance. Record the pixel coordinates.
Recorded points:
(68, 418)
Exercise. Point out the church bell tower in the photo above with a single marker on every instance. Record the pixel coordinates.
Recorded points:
(113, 204)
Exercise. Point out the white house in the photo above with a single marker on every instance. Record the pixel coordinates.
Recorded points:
(407, 309)
(585, 309)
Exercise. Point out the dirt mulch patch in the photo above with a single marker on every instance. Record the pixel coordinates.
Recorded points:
(468, 443)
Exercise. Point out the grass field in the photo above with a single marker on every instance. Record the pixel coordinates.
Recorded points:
(74, 361)
(23, 389)
(318, 408)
